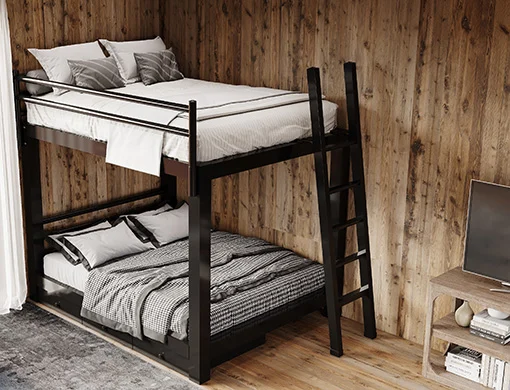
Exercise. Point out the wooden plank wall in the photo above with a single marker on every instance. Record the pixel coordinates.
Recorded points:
(71, 179)
(435, 98)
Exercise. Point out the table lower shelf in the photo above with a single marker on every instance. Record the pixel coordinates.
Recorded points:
(437, 372)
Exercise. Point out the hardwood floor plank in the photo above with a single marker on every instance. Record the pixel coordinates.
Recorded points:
(296, 356)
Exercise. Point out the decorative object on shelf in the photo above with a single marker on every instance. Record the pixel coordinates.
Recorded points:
(464, 315)
(491, 328)
(498, 314)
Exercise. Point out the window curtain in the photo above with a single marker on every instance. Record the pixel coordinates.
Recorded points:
(13, 286)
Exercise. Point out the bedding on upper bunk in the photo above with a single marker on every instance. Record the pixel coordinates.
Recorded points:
(147, 294)
(231, 119)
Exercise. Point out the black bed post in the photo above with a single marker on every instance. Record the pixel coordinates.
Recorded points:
(199, 260)
(32, 199)
(353, 117)
(169, 185)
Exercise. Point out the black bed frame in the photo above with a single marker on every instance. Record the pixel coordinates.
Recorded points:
(200, 352)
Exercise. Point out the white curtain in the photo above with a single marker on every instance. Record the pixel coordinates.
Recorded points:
(13, 286)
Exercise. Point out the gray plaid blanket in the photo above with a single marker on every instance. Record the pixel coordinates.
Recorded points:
(147, 294)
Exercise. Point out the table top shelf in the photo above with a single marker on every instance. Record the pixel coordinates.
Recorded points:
(470, 287)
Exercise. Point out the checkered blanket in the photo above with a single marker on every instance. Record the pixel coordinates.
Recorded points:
(147, 294)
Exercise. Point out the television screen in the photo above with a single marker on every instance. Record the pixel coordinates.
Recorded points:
(488, 231)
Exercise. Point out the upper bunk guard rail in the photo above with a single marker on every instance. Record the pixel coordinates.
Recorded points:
(101, 114)
(110, 94)
(106, 115)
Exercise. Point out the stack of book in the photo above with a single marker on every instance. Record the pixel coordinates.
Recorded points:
(465, 362)
(495, 373)
(490, 328)
(486, 370)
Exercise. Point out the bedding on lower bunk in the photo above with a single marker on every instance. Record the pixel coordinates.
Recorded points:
(147, 294)
(232, 119)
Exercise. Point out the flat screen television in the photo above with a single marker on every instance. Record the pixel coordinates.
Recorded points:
(487, 251)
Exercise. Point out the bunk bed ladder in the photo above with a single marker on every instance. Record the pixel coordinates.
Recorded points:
(333, 191)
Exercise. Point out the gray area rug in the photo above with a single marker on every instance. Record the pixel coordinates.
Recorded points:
(40, 351)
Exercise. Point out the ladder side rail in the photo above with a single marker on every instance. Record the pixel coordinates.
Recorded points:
(353, 115)
(328, 246)
(339, 176)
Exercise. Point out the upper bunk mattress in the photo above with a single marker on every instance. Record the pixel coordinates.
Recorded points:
(232, 119)
(147, 294)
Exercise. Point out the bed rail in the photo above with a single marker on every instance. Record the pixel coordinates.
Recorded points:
(102, 114)
(114, 95)
(106, 115)
(100, 206)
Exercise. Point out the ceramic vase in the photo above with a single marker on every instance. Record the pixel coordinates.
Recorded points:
(464, 315)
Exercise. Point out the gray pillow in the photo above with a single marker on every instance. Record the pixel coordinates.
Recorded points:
(157, 67)
(96, 74)
(37, 90)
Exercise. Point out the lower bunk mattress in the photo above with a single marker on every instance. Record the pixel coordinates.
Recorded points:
(146, 295)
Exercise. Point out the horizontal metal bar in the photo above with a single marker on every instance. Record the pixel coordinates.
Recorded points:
(101, 206)
(331, 147)
(350, 222)
(110, 94)
(343, 187)
(350, 258)
(106, 115)
(353, 295)
(265, 156)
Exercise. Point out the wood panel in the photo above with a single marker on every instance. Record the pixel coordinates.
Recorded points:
(72, 179)
(434, 98)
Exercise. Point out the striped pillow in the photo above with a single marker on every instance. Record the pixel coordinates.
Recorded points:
(157, 67)
(96, 74)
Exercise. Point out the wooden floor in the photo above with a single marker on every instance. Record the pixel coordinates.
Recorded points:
(297, 357)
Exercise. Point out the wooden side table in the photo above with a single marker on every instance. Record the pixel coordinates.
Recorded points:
(471, 288)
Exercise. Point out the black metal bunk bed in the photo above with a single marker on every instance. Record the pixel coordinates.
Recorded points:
(200, 352)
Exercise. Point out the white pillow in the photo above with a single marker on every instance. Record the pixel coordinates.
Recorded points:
(123, 52)
(141, 233)
(54, 61)
(57, 240)
(165, 227)
(98, 247)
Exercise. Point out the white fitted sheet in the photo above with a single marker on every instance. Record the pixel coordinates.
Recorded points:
(235, 131)
(58, 268)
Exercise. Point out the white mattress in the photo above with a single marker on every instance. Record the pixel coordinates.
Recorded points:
(234, 131)
(58, 268)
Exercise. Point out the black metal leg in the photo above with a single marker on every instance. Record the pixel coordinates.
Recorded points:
(32, 212)
(200, 282)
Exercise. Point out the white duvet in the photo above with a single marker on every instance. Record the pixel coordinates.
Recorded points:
(231, 119)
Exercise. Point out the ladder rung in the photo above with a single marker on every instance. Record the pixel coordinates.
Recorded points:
(343, 187)
(351, 258)
(353, 295)
(350, 222)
